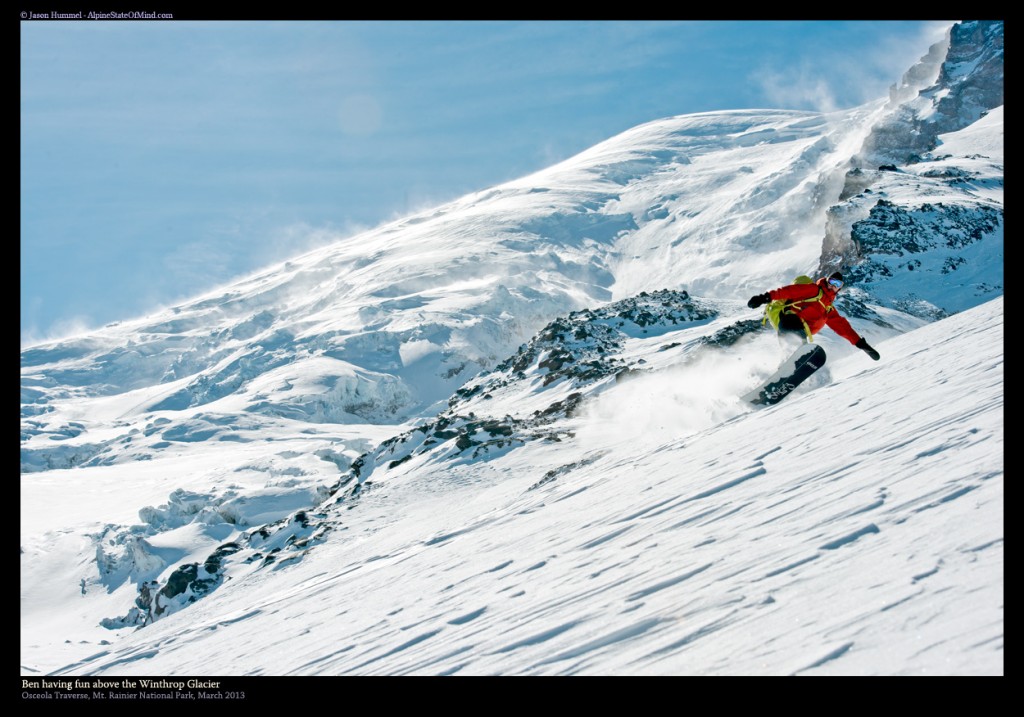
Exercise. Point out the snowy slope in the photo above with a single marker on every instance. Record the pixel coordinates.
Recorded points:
(855, 529)
(524, 402)
(381, 329)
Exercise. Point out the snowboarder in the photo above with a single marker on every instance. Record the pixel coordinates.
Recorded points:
(809, 309)
(799, 311)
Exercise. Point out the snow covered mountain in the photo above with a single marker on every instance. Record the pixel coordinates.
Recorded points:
(503, 436)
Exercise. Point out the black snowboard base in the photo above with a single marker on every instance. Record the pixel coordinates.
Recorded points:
(795, 370)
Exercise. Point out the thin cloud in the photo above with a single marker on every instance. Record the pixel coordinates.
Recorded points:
(61, 329)
(845, 77)
(801, 87)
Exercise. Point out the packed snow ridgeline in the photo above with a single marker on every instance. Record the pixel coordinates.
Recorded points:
(572, 359)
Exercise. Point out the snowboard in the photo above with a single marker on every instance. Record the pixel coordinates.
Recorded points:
(795, 370)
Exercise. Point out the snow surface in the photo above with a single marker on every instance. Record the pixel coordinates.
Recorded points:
(854, 529)
(388, 457)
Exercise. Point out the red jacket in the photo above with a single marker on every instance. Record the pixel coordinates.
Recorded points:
(817, 314)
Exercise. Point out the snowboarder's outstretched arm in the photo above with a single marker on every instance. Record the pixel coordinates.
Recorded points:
(793, 291)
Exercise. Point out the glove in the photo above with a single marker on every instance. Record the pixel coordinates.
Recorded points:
(863, 346)
(756, 301)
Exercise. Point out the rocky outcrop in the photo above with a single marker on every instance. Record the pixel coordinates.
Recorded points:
(915, 228)
(572, 357)
(967, 83)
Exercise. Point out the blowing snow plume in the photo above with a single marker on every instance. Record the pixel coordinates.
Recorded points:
(664, 406)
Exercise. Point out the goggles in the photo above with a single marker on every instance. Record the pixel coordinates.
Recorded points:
(836, 284)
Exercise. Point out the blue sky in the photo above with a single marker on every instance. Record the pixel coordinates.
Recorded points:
(162, 159)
